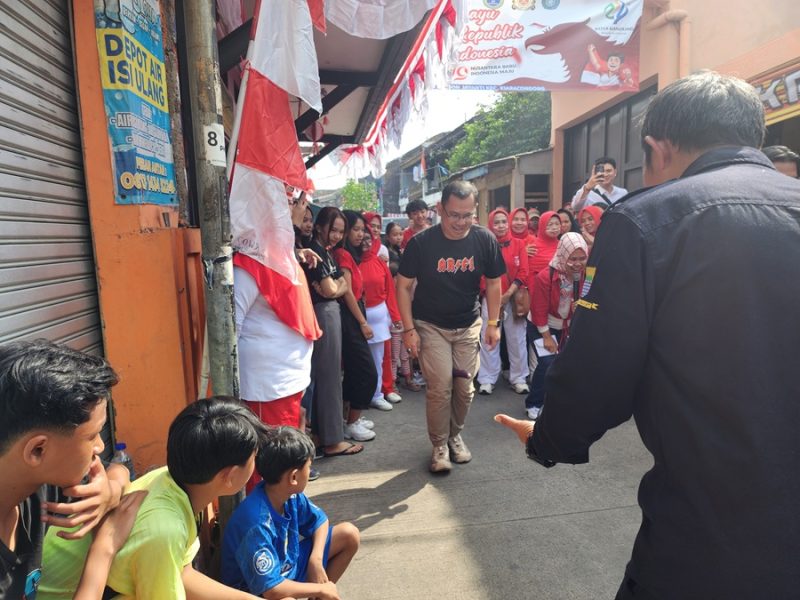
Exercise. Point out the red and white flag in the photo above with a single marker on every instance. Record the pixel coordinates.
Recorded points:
(284, 50)
(268, 157)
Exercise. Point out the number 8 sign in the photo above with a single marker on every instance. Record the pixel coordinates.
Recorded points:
(214, 141)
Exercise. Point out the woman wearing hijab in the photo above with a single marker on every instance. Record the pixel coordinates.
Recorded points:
(553, 300)
(590, 218)
(359, 379)
(546, 244)
(516, 258)
(520, 230)
(382, 315)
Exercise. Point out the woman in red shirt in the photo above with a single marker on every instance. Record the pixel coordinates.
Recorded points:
(555, 291)
(590, 218)
(546, 244)
(386, 373)
(515, 257)
(382, 313)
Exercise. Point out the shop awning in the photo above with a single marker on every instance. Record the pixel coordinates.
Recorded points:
(356, 74)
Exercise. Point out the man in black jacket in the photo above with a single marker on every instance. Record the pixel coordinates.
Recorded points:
(689, 322)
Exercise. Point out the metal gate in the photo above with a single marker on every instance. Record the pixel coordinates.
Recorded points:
(47, 275)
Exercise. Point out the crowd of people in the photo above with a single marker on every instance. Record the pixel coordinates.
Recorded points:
(375, 302)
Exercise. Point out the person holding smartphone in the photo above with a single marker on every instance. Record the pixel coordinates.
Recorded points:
(600, 188)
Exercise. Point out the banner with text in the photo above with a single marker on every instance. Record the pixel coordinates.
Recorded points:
(534, 45)
(129, 40)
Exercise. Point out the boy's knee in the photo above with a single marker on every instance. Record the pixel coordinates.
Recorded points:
(349, 534)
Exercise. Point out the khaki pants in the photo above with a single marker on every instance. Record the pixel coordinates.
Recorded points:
(448, 397)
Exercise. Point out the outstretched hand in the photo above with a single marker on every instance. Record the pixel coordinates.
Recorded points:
(523, 429)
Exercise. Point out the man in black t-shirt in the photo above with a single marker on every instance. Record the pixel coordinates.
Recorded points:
(443, 325)
(53, 407)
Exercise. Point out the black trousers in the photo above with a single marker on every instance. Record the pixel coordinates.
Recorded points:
(360, 376)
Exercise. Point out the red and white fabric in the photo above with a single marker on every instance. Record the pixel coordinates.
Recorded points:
(274, 360)
(284, 51)
(267, 155)
(376, 19)
(428, 66)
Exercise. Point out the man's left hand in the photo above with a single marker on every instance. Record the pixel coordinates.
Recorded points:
(95, 499)
(492, 336)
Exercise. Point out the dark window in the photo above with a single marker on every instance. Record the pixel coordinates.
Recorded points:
(500, 198)
(614, 133)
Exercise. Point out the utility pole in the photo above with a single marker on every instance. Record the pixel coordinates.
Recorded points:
(205, 92)
(209, 145)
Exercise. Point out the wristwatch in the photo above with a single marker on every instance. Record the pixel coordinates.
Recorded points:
(492, 323)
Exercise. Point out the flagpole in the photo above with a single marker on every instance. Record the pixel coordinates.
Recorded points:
(237, 121)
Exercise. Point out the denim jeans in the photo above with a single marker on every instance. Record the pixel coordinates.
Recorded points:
(536, 395)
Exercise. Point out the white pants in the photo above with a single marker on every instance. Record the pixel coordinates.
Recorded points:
(377, 357)
(514, 331)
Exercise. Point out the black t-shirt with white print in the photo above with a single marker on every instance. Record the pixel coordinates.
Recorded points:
(326, 267)
(448, 274)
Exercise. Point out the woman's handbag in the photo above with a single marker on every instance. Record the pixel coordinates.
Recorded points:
(521, 302)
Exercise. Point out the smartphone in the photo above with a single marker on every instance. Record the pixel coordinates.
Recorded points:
(599, 170)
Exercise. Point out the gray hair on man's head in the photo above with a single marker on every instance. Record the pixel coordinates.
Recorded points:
(704, 110)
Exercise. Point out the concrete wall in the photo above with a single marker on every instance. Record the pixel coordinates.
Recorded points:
(739, 38)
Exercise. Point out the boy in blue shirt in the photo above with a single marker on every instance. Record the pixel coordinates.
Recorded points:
(262, 551)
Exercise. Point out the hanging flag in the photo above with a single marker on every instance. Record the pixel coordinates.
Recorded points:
(267, 135)
(317, 9)
(267, 159)
(379, 19)
(285, 51)
(550, 45)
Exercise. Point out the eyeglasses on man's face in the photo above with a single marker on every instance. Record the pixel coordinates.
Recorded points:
(459, 216)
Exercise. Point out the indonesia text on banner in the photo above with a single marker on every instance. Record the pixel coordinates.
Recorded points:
(510, 45)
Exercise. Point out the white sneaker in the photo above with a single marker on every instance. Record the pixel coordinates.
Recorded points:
(486, 389)
(356, 431)
(418, 378)
(533, 412)
(440, 459)
(393, 397)
(380, 403)
(521, 388)
(366, 422)
(459, 453)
